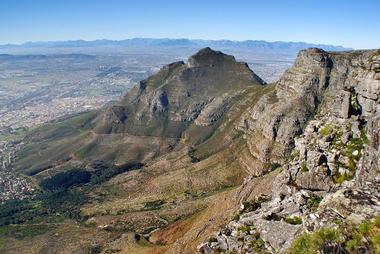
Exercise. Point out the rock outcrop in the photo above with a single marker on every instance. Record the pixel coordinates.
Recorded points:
(325, 117)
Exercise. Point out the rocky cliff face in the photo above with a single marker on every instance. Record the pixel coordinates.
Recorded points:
(320, 130)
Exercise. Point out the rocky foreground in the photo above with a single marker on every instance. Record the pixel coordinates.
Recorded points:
(328, 108)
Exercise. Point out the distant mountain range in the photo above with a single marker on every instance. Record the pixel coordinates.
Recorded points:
(254, 45)
(50, 56)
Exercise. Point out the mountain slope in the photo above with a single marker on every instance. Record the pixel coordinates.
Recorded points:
(179, 123)
(181, 101)
(258, 164)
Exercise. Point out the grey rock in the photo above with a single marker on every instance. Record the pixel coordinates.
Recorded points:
(278, 233)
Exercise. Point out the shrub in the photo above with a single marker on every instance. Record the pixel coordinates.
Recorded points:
(293, 220)
(349, 150)
(154, 205)
(316, 242)
(257, 244)
(347, 238)
(245, 229)
(304, 167)
(313, 202)
(191, 153)
(250, 206)
(340, 178)
(326, 130)
(236, 217)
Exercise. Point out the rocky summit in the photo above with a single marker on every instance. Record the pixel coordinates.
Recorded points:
(204, 157)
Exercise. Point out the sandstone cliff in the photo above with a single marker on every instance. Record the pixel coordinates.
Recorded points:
(320, 128)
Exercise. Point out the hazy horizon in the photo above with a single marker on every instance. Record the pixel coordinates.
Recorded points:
(165, 38)
(289, 21)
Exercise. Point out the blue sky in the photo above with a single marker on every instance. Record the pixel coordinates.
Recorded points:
(351, 23)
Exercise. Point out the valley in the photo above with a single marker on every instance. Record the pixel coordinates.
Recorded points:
(202, 156)
(189, 127)
(36, 88)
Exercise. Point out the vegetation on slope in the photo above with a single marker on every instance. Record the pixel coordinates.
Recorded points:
(346, 238)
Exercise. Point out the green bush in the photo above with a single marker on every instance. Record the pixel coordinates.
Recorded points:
(236, 217)
(316, 242)
(250, 206)
(304, 167)
(245, 229)
(313, 202)
(347, 238)
(257, 244)
(340, 178)
(154, 205)
(293, 220)
(347, 150)
(326, 130)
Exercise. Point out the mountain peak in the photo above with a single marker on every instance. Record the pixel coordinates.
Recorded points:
(209, 57)
(207, 50)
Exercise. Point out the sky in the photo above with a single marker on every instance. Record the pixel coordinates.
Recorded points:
(350, 23)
